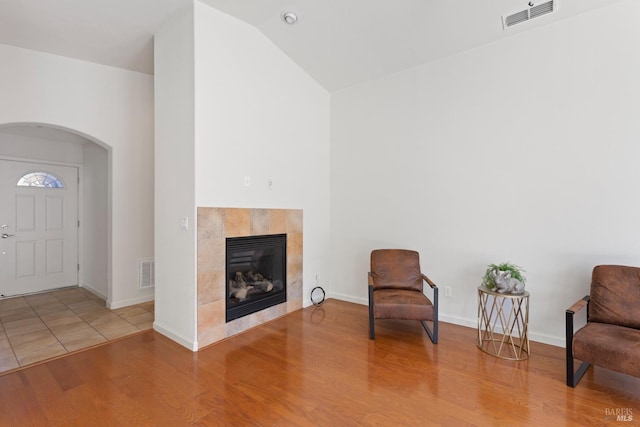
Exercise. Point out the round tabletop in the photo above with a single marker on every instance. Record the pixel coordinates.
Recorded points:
(502, 294)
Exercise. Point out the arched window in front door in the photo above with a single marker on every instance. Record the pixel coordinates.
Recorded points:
(40, 179)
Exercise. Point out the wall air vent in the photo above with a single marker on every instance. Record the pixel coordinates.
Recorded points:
(534, 11)
(146, 274)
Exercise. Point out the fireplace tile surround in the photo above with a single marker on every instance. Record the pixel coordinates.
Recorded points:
(214, 225)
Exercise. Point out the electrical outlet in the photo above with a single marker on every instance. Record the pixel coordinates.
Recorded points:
(448, 291)
(184, 223)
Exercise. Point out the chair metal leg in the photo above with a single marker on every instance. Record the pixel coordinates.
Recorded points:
(573, 377)
(372, 332)
(435, 315)
(433, 335)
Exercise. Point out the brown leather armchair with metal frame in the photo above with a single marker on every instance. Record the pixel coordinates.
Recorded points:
(396, 290)
(611, 336)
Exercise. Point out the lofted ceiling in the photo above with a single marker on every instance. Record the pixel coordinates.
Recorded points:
(339, 43)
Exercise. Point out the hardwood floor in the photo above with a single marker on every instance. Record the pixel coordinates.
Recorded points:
(315, 366)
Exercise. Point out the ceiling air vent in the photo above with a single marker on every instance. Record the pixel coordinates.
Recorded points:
(534, 11)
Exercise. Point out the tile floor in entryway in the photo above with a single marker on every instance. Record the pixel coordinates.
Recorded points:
(46, 325)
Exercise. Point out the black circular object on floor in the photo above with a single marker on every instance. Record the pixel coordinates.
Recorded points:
(317, 296)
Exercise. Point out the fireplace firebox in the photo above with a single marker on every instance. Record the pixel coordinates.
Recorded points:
(256, 274)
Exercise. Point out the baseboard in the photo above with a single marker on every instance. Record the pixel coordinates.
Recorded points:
(348, 298)
(548, 339)
(127, 302)
(93, 291)
(185, 342)
(462, 321)
(457, 320)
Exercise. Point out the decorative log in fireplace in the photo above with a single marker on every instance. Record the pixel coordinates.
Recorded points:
(256, 274)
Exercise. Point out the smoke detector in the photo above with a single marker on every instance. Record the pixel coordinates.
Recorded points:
(289, 17)
(533, 11)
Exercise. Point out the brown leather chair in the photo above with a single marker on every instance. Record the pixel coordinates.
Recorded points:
(611, 336)
(396, 290)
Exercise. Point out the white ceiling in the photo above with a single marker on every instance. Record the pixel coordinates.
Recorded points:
(338, 42)
(110, 32)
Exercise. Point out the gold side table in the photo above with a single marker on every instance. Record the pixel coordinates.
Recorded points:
(503, 324)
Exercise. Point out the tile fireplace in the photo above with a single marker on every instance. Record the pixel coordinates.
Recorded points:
(217, 226)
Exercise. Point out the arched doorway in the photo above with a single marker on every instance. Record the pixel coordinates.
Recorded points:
(39, 325)
(54, 148)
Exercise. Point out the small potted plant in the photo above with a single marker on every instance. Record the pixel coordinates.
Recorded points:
(505, 278)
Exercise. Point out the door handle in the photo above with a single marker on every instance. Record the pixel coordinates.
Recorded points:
(5, 235)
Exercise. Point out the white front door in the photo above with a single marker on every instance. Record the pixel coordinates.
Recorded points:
(38, 229)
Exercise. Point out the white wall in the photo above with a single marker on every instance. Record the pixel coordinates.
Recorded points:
(524, 150)
(34, 148)
(259, 115)
(95, 219)
(175, 310)
(104, 104)
(230, 104)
